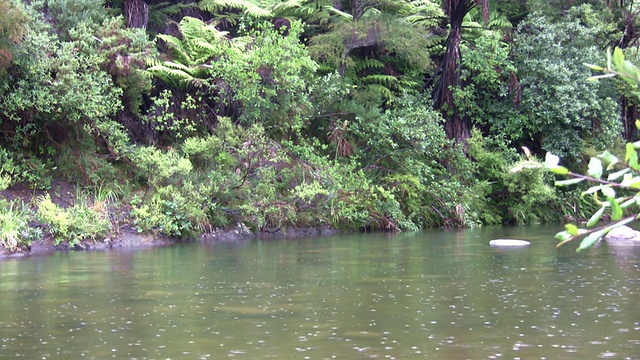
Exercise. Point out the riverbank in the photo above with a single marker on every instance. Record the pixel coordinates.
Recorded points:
(129, 238)
(120, 232)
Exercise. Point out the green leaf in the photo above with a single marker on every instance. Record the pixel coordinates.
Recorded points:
(592, 190)
(568, 182)
(571, 229)
(631, 181)
(551, 163)
(595, 168)
(616, 210)
(618, 59)
(618, 224)
(559, 170)
(609, 159)
(630, 70)
(628, 203)
(598, 77)
(528, 164)
(563, 236)
(591, 239)
(631, 156)
(608, 192)
(595, 217)
(594, 67)
(551, 160)
(617, 174)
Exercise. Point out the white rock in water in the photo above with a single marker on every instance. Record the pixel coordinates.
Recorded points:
(509, 242)
(623, 233)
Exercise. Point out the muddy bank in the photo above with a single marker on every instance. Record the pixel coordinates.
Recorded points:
(125, 235)
(129, 238)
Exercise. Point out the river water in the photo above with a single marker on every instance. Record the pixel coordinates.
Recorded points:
(434, 295)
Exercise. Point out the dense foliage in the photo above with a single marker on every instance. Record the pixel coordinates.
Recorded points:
(361, 115)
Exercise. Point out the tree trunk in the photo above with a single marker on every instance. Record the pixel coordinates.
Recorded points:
(137, 13)
(456, 127)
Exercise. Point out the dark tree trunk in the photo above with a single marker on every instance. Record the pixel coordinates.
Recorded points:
(137, 13)
(629, 117)
(457, 127)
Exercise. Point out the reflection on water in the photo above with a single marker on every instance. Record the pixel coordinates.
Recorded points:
(439, 295)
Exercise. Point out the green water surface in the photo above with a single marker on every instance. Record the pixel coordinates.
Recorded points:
(433, 295)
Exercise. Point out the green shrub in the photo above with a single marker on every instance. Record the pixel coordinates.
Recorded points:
(15, 232)
(563, 110)
(169, 212)
(72, 225)
(504, 197)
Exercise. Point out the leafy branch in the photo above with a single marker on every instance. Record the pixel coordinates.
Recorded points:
(622, 175)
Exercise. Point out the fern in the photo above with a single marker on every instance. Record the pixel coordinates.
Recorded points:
(248, 7)
(368, 64)
(176, 48)
(382, 90)
(424, 12)
(170, 75)
(190, 55)
(387, 80)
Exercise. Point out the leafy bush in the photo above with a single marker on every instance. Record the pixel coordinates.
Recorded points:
(77, 223)
(616, 194)
(563, 110)
(15, 232)
(56, 94)
(504, 197)
(11, 31)
(261, 77)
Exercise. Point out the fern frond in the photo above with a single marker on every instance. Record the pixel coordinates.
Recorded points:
(248, 7)
(242, 42)
(217, 5)
(169, 75)
(387, 80)
(339, 12)
(287, 5)
(151, 61)
(384, 91)
(174, 66)
(175, 48)
(408, 84)
(368, 64)
(191, 28)
(499, 22)
(203, 51)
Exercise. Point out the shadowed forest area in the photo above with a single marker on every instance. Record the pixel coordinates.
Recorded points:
(178, 118)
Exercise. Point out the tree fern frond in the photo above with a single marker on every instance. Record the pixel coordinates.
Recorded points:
(424, 12)
(499, 22)
(387, 80)
(258, 12)
(248, 7)
(368, 64)
(384, 91)
(284, 6)
(408, 84)
(217, 5)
